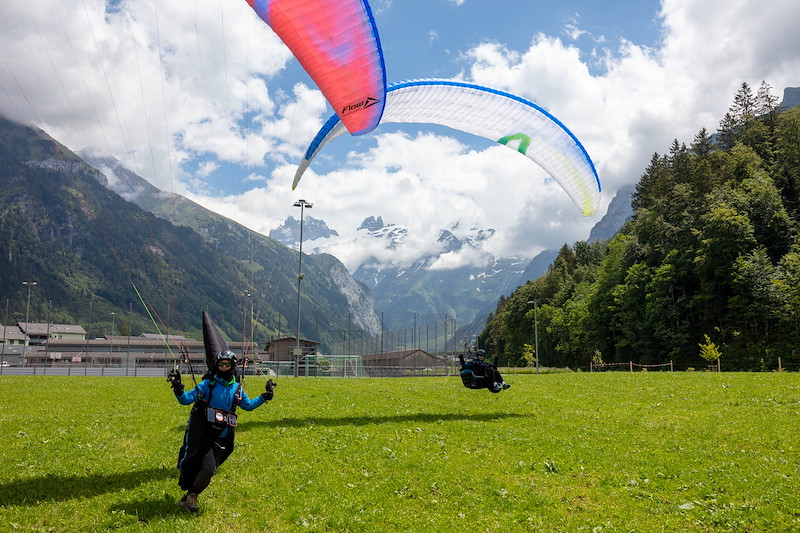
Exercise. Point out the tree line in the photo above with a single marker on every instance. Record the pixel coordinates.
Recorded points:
(711, 255)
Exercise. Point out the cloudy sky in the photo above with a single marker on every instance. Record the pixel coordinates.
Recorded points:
(201, 98)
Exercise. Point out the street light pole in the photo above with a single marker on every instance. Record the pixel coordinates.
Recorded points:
(5, 332)
(30, 284)
(302, 204)
(113, 323)
(128, 355)
(47, 345)
(249, 310)
(536, 331)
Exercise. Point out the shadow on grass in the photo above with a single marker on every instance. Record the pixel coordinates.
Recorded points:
(62, 488)
(153, 509)
(332, 421)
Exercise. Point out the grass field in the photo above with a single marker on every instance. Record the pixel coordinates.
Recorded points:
(610, 452)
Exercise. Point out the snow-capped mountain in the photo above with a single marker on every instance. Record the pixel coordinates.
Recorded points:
(375, 228)
(427, 289)
(289, 232)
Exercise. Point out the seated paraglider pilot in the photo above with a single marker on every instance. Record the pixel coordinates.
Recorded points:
(208, 440)
(485, 371)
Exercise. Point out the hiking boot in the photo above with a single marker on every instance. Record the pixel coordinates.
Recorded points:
(496, 386)
(505, 385)
(189, 502)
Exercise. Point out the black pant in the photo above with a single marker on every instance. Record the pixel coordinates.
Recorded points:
(202, 452)
(208, 466)
(488, 371)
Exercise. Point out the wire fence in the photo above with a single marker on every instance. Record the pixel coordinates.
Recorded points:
(312, 367)
(437, 338)
(630, 366)
(351, 366)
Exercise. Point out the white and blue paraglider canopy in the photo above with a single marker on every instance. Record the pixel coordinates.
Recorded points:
(496, 115)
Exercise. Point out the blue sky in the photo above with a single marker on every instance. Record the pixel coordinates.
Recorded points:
(426, 38)
(202, 99)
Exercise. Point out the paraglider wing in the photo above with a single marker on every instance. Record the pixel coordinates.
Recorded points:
(496, 115)
(213, 341)
(336, 42)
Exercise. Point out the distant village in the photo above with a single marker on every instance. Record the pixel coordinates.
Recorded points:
(62, 345)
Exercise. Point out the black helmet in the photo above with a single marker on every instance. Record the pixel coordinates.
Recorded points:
(226, 354)
(480, 353)
(230, 372)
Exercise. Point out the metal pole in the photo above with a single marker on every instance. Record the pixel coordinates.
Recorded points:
(414, 334)
(113, 323)
(245, 319)
(128, 358)
(27, 316)
(5, 330)
(302, 204)
(47, 346)
(536, 332)
(89, 323)
(445, 335)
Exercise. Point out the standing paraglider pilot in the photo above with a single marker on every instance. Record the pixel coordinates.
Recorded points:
(209, 435)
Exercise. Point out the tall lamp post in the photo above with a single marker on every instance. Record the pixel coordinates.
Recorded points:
(30, 284)
(536, 330)
(113, 323)
(248, 310)
(5, 332)
(302, 204)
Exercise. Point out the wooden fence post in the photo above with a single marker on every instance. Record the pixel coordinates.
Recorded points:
(630, 365)
(671, 368)
(780, 366)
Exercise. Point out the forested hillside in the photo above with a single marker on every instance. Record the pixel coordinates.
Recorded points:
(712, 250)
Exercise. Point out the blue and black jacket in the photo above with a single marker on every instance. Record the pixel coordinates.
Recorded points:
(221, 394)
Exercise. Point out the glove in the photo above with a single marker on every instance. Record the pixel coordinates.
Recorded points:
(174, 379)
(270, 390)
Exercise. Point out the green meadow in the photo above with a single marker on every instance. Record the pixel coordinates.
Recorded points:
(599, 452)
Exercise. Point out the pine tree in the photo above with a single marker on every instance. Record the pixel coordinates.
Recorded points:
(766, 103)
(744, 104)
(728, 127)
(703, 144)
(643, 194)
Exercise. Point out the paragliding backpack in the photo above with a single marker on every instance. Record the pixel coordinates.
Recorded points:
(220, 418)
(471, 380)
(468, 376)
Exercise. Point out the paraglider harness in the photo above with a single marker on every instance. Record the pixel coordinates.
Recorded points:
(469, 378)
(220, 418)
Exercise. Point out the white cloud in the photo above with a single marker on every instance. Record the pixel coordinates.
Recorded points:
(207, 167)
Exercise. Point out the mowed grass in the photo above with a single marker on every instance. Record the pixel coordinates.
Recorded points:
(557, 452)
